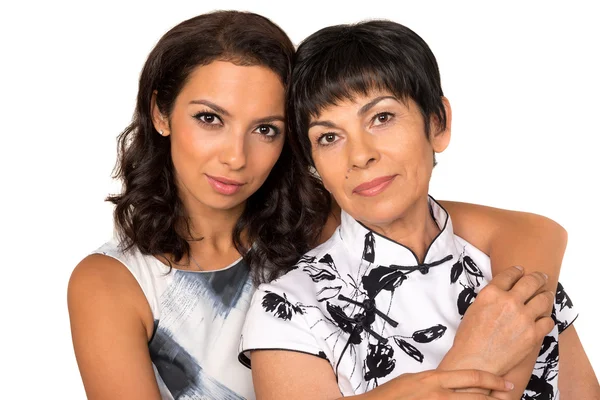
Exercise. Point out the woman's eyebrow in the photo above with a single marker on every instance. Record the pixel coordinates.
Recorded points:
(364, 109)
(212, 105)
(326, 124)
(269, 119)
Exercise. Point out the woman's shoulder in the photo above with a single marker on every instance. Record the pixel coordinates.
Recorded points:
(102, 285)
(105, 267)
(303, 281)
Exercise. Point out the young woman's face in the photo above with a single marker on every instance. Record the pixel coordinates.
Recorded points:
(227, 131)
(373, 155)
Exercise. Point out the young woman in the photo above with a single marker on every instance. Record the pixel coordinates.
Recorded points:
(213, 200)
(392, 291)
(206, 173)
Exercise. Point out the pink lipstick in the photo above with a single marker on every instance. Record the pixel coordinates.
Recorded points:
(374, 187)
(223, 185)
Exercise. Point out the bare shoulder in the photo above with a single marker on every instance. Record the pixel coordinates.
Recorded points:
(111, 323)
(471, 210)
(481, 225)
(102, 283)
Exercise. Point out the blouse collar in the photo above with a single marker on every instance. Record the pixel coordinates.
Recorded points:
(380, 250)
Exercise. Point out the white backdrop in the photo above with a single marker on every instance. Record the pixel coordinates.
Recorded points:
(522, 78)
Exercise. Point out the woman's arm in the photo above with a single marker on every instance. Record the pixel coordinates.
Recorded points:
(513, 238)
(489, 329)
(576, 379)
(111, 322)
(293, 376)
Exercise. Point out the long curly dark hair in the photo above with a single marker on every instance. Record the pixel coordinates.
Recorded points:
(281, 221)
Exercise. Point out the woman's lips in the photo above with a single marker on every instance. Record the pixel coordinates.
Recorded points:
(374, 187)
(224, 185)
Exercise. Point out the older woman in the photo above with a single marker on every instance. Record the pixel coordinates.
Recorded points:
(393, 290)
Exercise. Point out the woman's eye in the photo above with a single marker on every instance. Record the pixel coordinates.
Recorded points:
(208, 118)
(382, 118)
(267, 130)
(327, 139)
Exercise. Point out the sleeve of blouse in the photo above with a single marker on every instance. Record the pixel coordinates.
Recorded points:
(564, 313)
(275, 321)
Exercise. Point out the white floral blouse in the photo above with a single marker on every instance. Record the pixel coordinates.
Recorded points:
(364, 303)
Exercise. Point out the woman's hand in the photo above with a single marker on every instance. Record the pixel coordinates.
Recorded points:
(439, 385)
(509, 317)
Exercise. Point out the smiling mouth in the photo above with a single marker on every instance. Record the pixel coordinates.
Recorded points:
(223, 185)
(374, 187)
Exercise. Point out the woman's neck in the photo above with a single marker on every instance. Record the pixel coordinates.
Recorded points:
(211, 236)
(415, 229)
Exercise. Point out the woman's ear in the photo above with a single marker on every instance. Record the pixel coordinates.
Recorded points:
(161, 123)
(440, 136)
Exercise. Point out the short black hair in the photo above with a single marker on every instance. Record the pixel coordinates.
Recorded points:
(338, 62)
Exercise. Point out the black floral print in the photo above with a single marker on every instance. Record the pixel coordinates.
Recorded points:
(456, 271)
(380, 361)
(465, 268)
(344, 322)
(429, 334)
(378, 312)
(472, 270)
(280, 306)
(562, 298)
(382, 278)
(465, 299)
(544, 372)
(369, 249)
(318, 274)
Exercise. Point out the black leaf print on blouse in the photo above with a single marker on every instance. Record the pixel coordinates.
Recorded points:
(382, 278)
(540, 387)
(380, 361)
(327, 259)
(343, 322)
(369, 249)
(465, 299)
(550, 348)
(280, 306)
(409, 349)
(546, 344)
(562, 325)
(328, 293)
(456, 271)
(304, 261)
(429, 334)
(318, 274)
(472, 269)
(562, 298)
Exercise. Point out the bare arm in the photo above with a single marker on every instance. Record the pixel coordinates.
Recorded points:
(110, 325)
(490, 331)
(293, 376)
(513, 238)
(576, 379)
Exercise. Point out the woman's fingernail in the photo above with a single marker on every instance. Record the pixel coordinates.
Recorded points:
(509, 385)
(519, 267)
(545, 276)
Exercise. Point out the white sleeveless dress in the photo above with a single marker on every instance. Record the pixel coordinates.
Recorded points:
(198, 317)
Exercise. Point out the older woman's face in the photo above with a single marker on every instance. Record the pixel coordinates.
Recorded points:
(373, 155)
